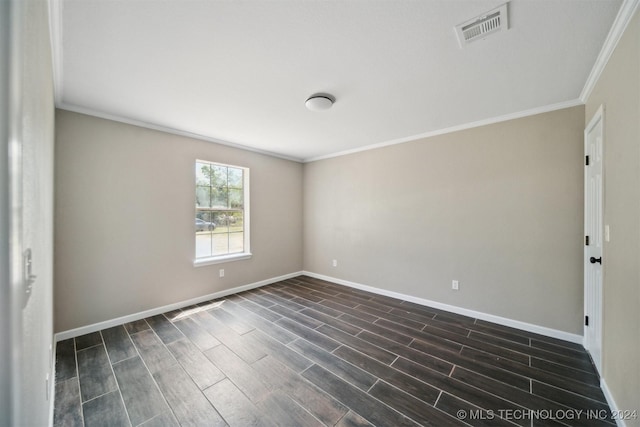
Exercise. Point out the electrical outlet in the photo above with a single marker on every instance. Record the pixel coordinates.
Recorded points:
(222, 272)
(335, 263)
(454, 285)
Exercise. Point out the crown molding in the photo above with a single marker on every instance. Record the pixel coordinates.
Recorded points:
(169, 130)
(55, 28)
(625, 14)
(464, 126)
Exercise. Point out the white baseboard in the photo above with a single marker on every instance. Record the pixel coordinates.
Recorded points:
(72, 333)
(52, 382)
(612, 403)
(542, 330)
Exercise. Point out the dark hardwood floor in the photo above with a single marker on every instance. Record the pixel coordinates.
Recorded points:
(305, 352)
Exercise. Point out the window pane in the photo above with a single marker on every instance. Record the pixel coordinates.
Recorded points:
(219, 220)
(203, 222)
(225, 221)
(235, 178)
(220, 244)
(203, 197)
(203, 245)
(219, 178)
(235, 221)
(235, 199)
(220, 198)
(236, 242)
(203, 174)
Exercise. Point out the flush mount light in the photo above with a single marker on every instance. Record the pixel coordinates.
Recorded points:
(319, 102)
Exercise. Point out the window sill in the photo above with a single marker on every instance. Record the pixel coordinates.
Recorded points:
(220, 259)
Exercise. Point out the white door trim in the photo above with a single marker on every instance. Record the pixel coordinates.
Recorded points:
(11, 259)
(594, 229)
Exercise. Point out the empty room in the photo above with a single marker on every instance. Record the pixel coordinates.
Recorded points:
(320, 213)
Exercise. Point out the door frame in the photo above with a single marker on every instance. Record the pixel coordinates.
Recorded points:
(11, 243)
(598, 118)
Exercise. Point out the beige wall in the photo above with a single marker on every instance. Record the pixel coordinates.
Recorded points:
(618, 89)
(124, 220)
(498, 208)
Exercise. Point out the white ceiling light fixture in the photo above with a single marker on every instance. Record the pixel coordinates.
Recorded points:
(320, 102)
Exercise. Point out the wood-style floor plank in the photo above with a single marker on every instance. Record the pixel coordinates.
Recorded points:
(118, 344)
(164, 328)
(153, 352)
(65, 360)
(318, 403)
(525, 399)
(94, 372)
(230, 338)
(186, 400)
(136, 326)
(455, 387)
(88, 340)
(196, 333)
(312, 335)
(202, 371)
(285, 355)
(408, 383)
(235, 407)
(363, 403)
(340, 367)
(462, 410)
(417, 410)
(239, 372)
(67, 410)
(351, 419)
(141, 397)
(286, 412)
(105, 411)
(259, 323)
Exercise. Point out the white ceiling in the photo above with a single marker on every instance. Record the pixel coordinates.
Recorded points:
(239, 72)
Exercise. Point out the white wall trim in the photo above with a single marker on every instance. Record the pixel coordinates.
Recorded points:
(612, 403)
(626, 12)
(72, 333)
(542, 330)
(55, 28)
(52, 382)
(464, 126)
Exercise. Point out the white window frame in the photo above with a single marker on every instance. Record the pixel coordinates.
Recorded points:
(246, 254)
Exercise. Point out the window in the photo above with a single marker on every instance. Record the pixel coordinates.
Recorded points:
(222, 213)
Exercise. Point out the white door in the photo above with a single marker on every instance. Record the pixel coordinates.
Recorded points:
(593, 230)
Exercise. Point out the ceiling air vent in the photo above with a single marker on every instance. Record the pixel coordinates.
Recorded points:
(482, 26)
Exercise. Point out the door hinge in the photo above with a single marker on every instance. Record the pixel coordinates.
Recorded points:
(586, 162)
(586, 320)
(586, 240)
